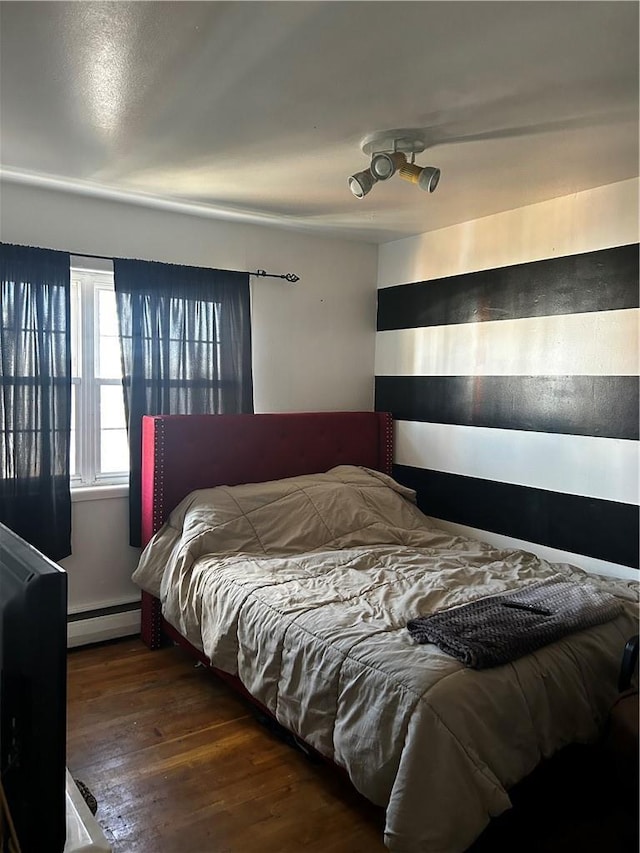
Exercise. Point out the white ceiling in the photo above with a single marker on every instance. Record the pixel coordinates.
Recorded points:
(256, 110)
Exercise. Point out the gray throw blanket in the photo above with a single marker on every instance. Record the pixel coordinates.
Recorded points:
(501, 628)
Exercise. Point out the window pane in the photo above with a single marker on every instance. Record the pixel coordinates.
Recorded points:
(72, 437)
(114, 451)
(109, 360)
(107, 316)
(108, 366)
(111, 407)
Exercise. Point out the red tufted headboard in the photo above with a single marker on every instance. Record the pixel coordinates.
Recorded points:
(181, 453)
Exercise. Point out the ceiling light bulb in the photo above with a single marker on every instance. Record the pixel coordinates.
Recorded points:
(385, 165)
(361, 183)
(425, 177)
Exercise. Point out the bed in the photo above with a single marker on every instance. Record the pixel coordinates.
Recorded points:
(283, 555)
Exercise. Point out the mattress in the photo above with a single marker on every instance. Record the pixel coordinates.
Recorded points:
(303, 589)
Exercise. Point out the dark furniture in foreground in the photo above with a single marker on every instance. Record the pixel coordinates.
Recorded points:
(33, 691)
(622, 741)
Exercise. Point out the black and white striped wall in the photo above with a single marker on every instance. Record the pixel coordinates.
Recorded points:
(515, 398)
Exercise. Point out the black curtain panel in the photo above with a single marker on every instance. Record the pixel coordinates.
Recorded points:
(185, 334)
(35, 400)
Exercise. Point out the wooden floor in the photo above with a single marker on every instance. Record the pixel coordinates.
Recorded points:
(179, 764)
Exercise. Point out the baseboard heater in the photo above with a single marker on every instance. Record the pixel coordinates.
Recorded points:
(103, 623)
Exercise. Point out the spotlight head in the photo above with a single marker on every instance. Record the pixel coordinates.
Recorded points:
(361, 183)
(384, 165)
(425, 177)
(429, 178)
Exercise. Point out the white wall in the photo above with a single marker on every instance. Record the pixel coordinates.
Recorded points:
(313, 342)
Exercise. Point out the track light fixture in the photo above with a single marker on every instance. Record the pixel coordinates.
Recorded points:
(388, 152)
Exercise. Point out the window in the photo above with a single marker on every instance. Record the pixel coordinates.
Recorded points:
(99, 448)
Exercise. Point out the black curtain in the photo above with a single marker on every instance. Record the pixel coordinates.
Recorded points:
(185, 334)
(35, 402)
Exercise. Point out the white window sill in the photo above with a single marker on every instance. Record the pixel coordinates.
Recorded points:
(98, 493)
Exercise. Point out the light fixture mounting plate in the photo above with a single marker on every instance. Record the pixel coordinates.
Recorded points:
(406, 140)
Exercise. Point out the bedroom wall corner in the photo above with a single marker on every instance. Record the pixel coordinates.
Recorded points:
(595, 219)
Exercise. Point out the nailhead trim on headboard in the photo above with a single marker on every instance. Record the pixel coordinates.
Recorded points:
(388, 425)
(158, 478)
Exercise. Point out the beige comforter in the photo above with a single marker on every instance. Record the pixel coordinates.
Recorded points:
(303, 588)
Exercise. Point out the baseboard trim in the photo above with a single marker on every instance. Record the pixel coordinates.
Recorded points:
(104, 610)
(98, 628)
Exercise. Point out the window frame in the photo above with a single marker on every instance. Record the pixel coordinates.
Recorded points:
(86, 286)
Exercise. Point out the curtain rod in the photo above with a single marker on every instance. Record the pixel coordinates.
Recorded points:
(290, 276)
